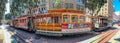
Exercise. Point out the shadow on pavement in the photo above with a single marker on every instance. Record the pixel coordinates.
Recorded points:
(84, 36)
(118, 39)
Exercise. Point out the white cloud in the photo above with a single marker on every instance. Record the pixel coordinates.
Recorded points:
(117, 13)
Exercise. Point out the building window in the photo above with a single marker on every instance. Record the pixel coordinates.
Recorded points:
(79, 1)
(69, 5)
(34, 11)
(43, 10)
(56, 6)
(79, 7)
(39, 10)
(43, 1)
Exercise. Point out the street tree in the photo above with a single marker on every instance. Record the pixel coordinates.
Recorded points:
(8, 16)
(94, 5)
(18, 6)
(2, 6)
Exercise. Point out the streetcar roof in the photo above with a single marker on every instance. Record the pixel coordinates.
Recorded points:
(65, 10)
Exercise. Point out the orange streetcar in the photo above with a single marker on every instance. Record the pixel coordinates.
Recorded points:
(62, 22)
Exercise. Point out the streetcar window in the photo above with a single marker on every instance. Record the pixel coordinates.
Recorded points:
(74, 19)
(43, 21)
(82, 18)
(56, 20)
(22, 20)
(65, 18)
(40, 20)
(50, 20)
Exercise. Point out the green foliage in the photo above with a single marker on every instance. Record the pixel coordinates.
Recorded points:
(94, 4)
(18, 6)
(57, 4)
(8, 16)
(2, 6)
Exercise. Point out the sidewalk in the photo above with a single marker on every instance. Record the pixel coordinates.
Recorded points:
(1, 36)
(5, 37)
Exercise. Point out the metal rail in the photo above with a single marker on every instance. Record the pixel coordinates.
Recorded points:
(105, 37)
(16, 36)
(21, 37)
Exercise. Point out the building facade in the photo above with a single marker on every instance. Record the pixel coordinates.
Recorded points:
(57, 4)
(115, 17)
(107, 9)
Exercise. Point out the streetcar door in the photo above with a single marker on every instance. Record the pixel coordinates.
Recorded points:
(30, 24)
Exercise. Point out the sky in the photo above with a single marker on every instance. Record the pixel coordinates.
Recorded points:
(116, 5)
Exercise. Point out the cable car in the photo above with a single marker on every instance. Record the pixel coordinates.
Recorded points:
(62, 22)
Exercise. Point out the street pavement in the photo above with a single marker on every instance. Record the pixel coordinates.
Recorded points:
(103, 37)
(5, 37)
(33, 38)
(115, 37)
(1, 36)
(110, 36)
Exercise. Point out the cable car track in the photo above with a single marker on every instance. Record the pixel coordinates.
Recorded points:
(15, 36)
(20, 36)
(105, 36)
